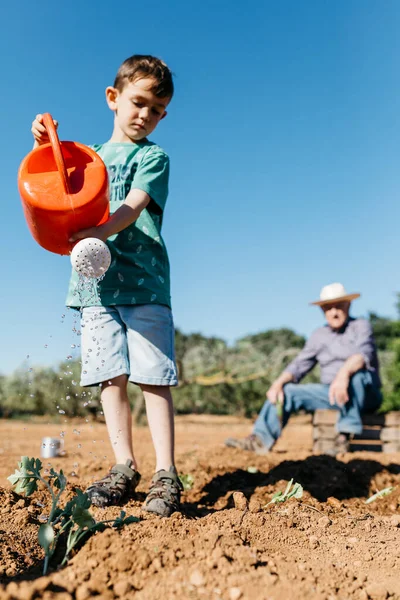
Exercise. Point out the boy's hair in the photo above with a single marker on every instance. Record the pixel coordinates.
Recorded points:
(139, 66)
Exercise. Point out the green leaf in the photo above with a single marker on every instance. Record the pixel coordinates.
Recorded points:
(60, 481)
(14, 478)
(380, 494)
(122, 520)
(82, 517)
(187, 481)
(290, 492)
(297, 491)
(82, 499)
(46, 536)
(252, 470)
(285, 493)
(31, 487)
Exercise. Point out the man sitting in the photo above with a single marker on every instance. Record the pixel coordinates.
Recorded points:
(346, 352)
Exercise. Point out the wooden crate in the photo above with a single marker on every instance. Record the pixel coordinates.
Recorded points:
(381, 433)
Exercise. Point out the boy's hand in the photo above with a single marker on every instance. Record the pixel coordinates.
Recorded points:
(95, 232)
(39, 131)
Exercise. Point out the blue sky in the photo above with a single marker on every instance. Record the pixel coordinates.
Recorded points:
(284, 144)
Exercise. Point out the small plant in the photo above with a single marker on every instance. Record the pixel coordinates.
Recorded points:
(380, 494)
(74, 519)
(187, 481)
(290, 492)
(252, 470)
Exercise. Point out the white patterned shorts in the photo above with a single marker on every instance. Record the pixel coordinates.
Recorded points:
(137, 341)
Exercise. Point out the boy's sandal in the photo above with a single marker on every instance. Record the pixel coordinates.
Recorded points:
(164, 496)
(115, 487)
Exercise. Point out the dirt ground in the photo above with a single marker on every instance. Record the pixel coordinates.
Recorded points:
(327, 545)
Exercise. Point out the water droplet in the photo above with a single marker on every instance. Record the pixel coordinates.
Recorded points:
(120, 277)
(62, 412)
(141, 281)
(62, 434)
(73, 345)
(76, 431)
(45, 345)
(153, 297)
(153, 261)
(73, 382)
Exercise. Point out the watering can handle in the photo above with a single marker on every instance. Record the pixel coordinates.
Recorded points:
(58, 155)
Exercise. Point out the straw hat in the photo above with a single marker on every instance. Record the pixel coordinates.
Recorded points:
(334, 292)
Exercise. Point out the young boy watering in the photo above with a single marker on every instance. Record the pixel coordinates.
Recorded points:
(127, 332)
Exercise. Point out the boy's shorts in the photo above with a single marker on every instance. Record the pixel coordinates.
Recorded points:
(137, 341)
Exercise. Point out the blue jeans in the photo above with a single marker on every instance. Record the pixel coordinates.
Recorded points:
(364, 396)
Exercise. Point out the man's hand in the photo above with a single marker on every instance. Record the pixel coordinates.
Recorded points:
(275, 393)
(39, 131)
(338, 390)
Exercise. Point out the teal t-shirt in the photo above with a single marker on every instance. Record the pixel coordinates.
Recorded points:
(139, 270)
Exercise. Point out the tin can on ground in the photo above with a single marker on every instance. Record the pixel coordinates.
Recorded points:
(51, 447)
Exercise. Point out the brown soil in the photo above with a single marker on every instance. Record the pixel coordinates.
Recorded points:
(328, 545)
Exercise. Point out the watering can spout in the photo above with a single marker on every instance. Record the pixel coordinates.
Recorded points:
(64, 189)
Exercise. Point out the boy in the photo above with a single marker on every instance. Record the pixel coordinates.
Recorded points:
(128, 331)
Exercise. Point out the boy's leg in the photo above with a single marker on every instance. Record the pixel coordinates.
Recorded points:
(123, 478)
(165, 491)
(105, 361)
(118, 416)
(150, 336)
(160, 417)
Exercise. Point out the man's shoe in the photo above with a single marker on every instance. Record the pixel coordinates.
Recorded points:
(115, 487)
(341, 444)
(251, 443)
(164, 495)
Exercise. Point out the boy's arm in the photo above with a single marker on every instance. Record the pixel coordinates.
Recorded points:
(124, 216)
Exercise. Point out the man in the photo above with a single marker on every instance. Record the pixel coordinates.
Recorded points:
(346, 352)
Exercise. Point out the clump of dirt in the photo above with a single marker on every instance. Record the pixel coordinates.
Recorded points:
(226, 544)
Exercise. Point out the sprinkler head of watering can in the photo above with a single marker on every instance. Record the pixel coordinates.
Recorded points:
(91, 258)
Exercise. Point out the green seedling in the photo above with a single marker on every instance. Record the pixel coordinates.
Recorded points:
(252, 470)
(74, 519)
(380, 494)
(187, 481)
(290, 492)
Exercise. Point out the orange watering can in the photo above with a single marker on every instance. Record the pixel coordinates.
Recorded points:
(64, 189)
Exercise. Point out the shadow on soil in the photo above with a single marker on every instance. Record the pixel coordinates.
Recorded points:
(322, 476)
